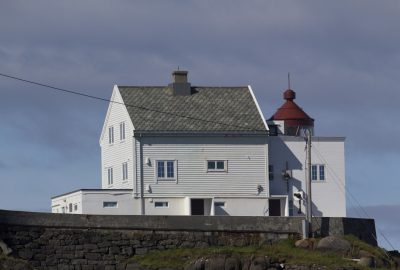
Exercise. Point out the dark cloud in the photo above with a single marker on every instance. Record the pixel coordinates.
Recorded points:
(3, 165)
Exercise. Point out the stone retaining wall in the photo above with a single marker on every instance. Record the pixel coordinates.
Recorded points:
(58, 241)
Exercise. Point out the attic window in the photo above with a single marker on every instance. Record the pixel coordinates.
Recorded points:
(122, 131)
(111, 135)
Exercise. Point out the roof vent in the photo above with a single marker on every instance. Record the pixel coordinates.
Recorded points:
(180, 85)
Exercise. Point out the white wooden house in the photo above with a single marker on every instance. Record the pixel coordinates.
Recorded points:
(189, 150)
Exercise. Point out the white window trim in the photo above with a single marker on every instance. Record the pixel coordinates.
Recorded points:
(166, 179)
(225, 170)
(318, 180)
(162, 206)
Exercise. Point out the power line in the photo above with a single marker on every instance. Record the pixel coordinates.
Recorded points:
(78, 93)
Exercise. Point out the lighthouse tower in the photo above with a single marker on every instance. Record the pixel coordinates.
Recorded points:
(290, 119)
(287, 165)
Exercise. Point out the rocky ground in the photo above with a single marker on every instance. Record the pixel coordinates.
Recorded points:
(326, 253)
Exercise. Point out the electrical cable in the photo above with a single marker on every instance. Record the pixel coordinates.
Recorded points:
(346, 191)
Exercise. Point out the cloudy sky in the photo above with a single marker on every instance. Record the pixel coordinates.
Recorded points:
(343, 56)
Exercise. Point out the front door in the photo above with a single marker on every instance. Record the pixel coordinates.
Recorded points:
(275, 207)
(197, 206)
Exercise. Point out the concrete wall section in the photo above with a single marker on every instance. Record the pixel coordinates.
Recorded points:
(240, 206)
(165, 206)
(108, 203)
(71, 201)
(97, 201)
(362, 228)
(218, 206)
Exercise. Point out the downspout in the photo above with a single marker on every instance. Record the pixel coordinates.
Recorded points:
(136, 193)
(142, 206)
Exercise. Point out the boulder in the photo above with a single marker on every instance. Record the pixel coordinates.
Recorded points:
(366, 262)
(308, 243)
(232, 264)
(196, 265)
(4, 248)
(259, 263)
(364, 253)
(335, 244)
(215, 263)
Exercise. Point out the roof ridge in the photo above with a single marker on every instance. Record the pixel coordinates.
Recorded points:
(166, 86)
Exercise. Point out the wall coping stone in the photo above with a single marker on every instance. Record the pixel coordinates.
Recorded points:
(284, 225)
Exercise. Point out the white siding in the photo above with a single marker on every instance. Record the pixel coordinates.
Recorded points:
(246, 157)
(115, 154)
(328, 196)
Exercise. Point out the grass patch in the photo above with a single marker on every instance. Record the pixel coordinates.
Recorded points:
(358, 245)
(284, 249)
(377, 252)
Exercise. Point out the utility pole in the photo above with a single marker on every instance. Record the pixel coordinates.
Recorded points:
(308, 224)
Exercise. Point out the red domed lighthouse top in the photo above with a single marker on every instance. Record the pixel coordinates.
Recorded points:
(295, 118)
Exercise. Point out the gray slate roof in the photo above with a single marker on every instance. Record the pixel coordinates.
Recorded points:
(206, 110)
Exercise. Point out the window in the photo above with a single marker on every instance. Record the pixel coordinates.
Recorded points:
(216, 165)
(70, 207)
(321, 172)
(63, 209)
(314, 175)
(166, 170)
(271, 172)
(122, 131)
(125, 171)
(75, 207)
(111, 135)
(110, 204)
(161, 204)
(219, 204)
(318, 172)
(110, 176)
